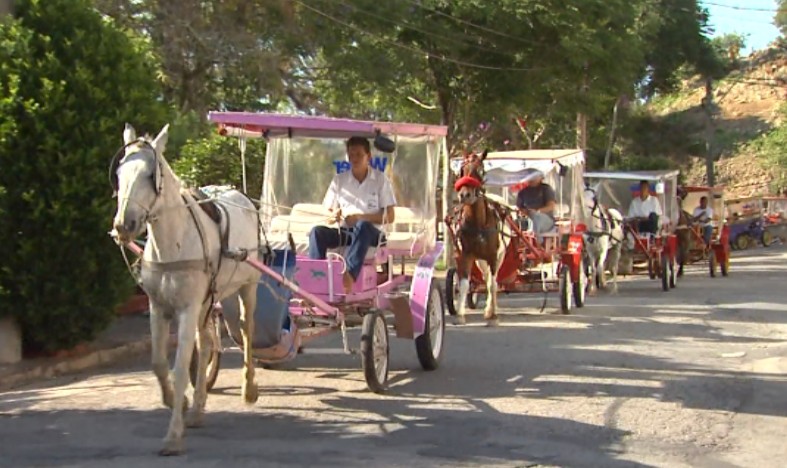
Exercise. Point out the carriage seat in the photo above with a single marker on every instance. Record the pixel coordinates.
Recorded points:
(400, 236)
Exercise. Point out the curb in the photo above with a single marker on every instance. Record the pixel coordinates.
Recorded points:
(97, 358)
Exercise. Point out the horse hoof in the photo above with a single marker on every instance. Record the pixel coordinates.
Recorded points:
(195, 419)
(171, 448)
(250, 395)
(460, 320)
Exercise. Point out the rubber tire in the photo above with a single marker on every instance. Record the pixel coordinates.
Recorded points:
(578, 292)
(712, 265)
(450, 280)
(423, 344)
(664, 264)
(214, 365)
(564, 290)
(652, 269)
(367, 351)
(473, 299)
(766, 239)
(743, 241)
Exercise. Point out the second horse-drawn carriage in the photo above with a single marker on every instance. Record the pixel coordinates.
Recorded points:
(552, 261)
(704, 239)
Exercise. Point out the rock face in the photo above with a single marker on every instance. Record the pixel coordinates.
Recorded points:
(742, 176)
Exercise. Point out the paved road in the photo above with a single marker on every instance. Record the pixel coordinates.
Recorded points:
(693, 377)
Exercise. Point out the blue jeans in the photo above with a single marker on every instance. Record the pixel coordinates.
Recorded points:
(359, 237)
(650, 225)
(707, 233)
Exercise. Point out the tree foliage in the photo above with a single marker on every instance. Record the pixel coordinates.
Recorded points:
(780, 18)
(69, 80)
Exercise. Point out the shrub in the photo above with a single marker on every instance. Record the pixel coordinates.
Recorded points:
(69, 79)
(215, 160)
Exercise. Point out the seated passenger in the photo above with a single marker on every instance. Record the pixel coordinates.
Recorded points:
(703, 215)
(360, 199)
(537, 202)
(645, 210)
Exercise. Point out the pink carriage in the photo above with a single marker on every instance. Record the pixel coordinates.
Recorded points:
(299, 298)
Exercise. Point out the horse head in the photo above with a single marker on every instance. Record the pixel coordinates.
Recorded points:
(471, 180)
(136, 176)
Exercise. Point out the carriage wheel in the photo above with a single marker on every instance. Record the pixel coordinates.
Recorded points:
(712, 265)
(374, 351)
(579, 288)
(429, 346)
(564, 288)
(451, 290)
(214, 358)
(673, 274)
(664, 267)
(743, 241)
(767, 239)
(473, 299)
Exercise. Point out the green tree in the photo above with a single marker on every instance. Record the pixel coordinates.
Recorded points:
(69, 79)
(780, 18)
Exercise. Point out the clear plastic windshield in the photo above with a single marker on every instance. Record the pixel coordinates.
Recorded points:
(502, 185)
(619, 193)
(298, 172)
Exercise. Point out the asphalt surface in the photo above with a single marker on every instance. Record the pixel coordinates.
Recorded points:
(691, 377)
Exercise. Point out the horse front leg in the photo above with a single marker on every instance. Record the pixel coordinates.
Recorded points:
(187, 330)
(490, 311)
(159, 338)
(248, 296)
(463, 271)
(196, 414)
(615, 259)
(602, 265)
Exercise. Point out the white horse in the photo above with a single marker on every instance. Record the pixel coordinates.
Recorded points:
(185, 268)
(604, 242)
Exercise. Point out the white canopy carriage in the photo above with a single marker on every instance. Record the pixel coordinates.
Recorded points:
(563, 170)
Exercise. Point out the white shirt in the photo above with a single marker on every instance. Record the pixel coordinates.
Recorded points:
(353, 197)
(706, 213)
(643, 209)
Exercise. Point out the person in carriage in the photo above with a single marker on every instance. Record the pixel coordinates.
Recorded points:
(703, 214)
(536, 202)
(360, 200)
(645, 211)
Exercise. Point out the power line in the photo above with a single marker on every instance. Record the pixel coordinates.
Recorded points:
(740, 8)
(468, 23)
(411, 48)
(428, 33)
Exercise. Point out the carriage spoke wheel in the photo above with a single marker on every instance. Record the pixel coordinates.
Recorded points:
(564, 289)
(580, 287)
(429, 346)
(451, 290)
(374, 351)
(664, 268)
(214, 358)
(767, 238)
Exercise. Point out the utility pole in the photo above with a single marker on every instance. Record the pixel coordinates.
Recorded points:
(710, 131)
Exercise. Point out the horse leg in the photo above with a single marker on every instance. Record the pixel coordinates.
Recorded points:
(194, 417)
(615, 260)
(602, 263)
(248, 295)
(490, 311)
(159, 333)
(187, 330)
(464, 270)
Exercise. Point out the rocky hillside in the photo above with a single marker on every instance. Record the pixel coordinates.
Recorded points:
(750, 101)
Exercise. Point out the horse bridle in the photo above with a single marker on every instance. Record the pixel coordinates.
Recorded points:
(120, 155)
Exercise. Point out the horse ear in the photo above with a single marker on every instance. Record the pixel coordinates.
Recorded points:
(129, 134)
(160, 143)
(483, 155)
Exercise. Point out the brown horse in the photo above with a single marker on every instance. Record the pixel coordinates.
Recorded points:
(479, 235)
(683, 233)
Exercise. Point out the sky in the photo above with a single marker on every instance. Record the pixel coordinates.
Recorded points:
(743, 17)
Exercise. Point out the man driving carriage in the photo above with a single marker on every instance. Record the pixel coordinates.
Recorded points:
(645, 210)
(703, 215)
(361, 200)
(536, 201)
